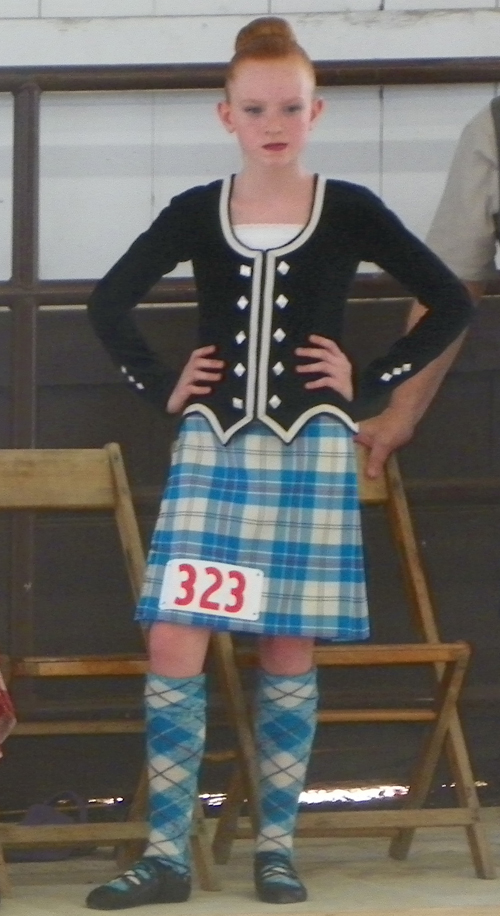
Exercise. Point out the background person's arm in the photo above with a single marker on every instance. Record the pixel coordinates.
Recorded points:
(395, 426)
(463, 235)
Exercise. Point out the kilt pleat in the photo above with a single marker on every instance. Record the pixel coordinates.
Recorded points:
(291, 510)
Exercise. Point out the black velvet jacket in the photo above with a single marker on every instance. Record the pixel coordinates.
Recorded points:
(258, 306)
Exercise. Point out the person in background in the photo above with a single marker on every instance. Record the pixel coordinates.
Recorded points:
(259, 528)
(7, 713)
(464, 234)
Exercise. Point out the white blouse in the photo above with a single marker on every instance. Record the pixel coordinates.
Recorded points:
(264, 236)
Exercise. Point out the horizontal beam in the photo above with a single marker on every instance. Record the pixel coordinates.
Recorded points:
(374, 654)
(53, 834)
(178, 289)
(391, 72)
(396, 714)
(183, 289)
(339, 823)
(78, 727)
(83, 666)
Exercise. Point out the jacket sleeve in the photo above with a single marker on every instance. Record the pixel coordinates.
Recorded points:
(155, 252)
(384, 240)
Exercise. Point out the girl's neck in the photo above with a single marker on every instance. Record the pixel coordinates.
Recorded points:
(272, 197)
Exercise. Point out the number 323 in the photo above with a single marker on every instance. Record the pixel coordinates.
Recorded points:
(188, 587)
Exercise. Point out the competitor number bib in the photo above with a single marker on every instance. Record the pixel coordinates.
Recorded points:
(219, 589)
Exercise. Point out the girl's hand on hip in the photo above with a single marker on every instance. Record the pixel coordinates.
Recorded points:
(328, 360)
(200, 373)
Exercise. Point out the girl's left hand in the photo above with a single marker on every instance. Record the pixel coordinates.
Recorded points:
(331, 362)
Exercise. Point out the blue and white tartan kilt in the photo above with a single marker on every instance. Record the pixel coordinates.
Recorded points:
(290, 510)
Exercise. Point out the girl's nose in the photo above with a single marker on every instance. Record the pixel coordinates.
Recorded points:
(274, 126)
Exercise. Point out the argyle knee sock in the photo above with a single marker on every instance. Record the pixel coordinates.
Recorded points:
(175, 716)
(285, 727)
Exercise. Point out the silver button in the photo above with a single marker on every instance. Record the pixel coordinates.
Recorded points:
(124, 370)
(386, 377)
(239, 370)
(240, 337)
(279, 335)
(406, 367)
(281, 301)
(397, 370)
(238, 403)
(130, 378)
(283, 267)
(242, 302)
(275, 401)
(140, 386)
(278, 368)
(245, 270)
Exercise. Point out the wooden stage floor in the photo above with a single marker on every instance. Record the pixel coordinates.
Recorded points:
(344, 876)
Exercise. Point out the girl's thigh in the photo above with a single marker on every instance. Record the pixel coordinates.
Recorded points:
(177, 651)
(287, 655)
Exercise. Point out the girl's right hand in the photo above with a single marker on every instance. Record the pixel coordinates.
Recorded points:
(199, 370)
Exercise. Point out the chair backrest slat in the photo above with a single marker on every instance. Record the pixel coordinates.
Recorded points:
(55, 479)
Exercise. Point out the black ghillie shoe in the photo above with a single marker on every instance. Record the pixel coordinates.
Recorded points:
(276, 880)
(148, 881)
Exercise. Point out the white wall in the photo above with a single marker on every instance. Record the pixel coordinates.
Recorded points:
(156, 31)
(110, 161)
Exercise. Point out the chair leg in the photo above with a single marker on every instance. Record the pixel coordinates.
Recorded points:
(463, 777)
(127, 852)
(227, 823)
(202, 851)
(227, 671)
(449, 685)
(448, 731)
(5, 885)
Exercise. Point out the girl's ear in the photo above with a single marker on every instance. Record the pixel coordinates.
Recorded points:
(317, 109)
(225, 116)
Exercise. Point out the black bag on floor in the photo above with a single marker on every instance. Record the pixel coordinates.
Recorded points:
(46, 813)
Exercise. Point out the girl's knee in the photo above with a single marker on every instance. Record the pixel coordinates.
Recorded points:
(286, 655)
(177, 651)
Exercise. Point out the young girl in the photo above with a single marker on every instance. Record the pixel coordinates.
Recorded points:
(259, 528)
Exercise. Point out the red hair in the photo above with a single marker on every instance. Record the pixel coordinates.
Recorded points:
(267, 38)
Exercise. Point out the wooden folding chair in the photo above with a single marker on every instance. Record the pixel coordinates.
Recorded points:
(448, 662)
(85, 480)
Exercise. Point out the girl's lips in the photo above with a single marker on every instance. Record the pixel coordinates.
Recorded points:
(275, 147)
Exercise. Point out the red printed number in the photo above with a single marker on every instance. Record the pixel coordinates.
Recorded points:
(238, 592)
(188, 586)
(204, 602)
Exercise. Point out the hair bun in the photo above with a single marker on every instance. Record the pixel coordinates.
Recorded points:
(265, 28)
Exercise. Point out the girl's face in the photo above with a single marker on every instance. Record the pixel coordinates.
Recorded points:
(271, 109)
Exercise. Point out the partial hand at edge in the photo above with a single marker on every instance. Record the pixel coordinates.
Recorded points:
(382, 435)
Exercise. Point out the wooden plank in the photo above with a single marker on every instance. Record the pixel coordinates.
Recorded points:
(332, 716)
(50, 479)
(79, 727)
(368, 823)
(425, 653)
(126, 520)
(79, 666)
(54, 834)
(401, 654)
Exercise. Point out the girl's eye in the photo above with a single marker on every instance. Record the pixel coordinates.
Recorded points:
(253, 109)
(292, 109)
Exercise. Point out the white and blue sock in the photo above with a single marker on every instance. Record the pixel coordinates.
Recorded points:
(285, 728)
(175, 718)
